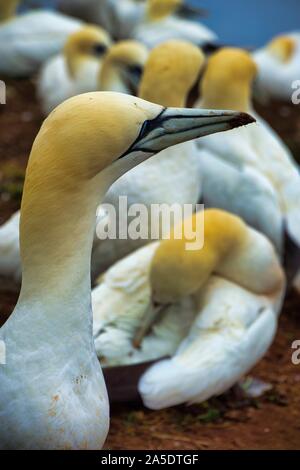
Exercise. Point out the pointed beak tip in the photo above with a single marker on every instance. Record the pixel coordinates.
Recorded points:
(242, 119)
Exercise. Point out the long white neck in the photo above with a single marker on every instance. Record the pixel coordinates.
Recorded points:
(56, 244)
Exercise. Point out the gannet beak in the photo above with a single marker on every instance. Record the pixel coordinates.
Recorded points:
(175, 125)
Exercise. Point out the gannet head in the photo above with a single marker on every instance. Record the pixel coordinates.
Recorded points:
(170, 72)
(282, 48)
(83, 147)
(8, 9)
(123, 66)
(97, 130)
(177, 271)
(90, 42)
(228, 79)
(159, 9)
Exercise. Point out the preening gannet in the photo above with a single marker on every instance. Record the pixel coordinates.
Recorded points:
(215, 307)
(52, 393)
(278, 66)
(123, 67)
(250, 171)
(150, 21)
(74, 71)
(173, 176)
(30, 39)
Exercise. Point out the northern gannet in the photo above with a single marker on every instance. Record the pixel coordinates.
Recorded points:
(52, 392)
(278, 66)
(249, 171)
(75, 70)
(172, 177)
(28, 40)
(123, 67)
(215, 308)
(160, 24)
(150, 21)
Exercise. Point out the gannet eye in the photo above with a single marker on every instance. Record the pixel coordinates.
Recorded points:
(99, 49)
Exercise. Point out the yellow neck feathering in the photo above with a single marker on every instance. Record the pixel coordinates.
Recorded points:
(159, 9)
(8, 9)
(227, 81)
(121, 56)
(83, 45)
(66, 171)
(283, 48)
(170, 72)
(177, 271)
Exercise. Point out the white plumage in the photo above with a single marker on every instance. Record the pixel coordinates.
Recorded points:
(278, 68)
(129, 18)
(261, 164)
(173, 176)
(153, 33)
(213, 338)
(30, 39)
(75, 70)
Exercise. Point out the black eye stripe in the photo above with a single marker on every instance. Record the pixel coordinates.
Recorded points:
(146, 128)
(135, 70)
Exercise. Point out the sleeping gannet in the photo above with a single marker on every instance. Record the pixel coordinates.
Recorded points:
(213, 308)
(172, 177)
(74, 71)
(150, 21)
(278, 66)
(52, 392)
(30, 39)
(249, 171)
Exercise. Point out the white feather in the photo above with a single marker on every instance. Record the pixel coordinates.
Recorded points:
(275, 77)
(256, 148)
(29, 40)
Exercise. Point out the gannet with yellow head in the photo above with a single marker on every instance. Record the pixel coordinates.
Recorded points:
(30, 39)
(150, 21)
(213, 308)
(75, 70)
(52, 393)
(278, 66)
(170, 72)
(69, 75)
(250, 171)
(123, 67)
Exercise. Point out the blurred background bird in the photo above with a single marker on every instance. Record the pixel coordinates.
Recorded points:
(150, 21)
(278, 66)
(214, 308)
(28, 39)
(76, 69)
(253, 162)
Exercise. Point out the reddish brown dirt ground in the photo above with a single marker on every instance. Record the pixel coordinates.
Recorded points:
(229, 422)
